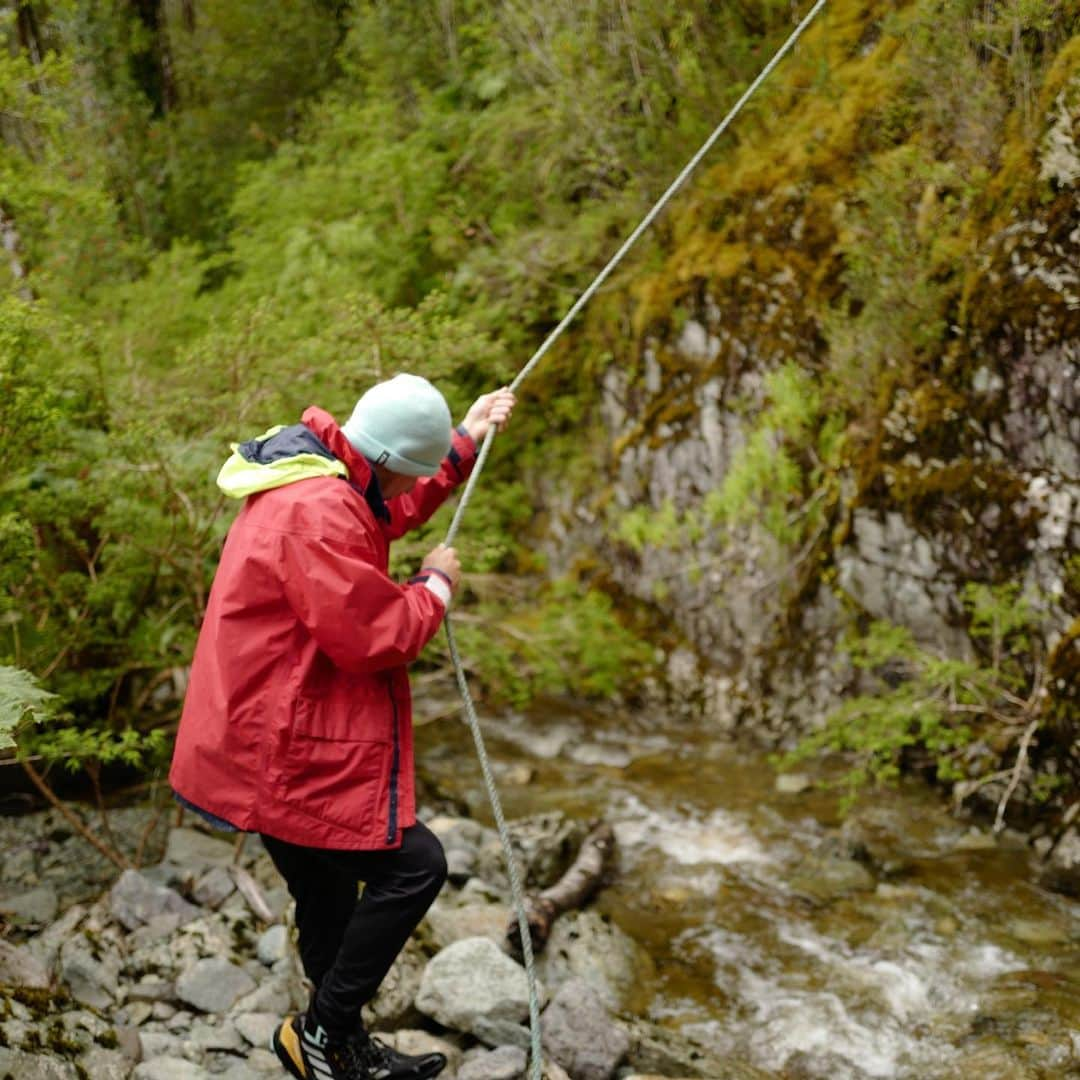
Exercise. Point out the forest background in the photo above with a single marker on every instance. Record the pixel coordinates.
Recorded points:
(216, 212)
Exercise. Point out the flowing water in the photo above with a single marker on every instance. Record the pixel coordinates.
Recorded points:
(900, 943)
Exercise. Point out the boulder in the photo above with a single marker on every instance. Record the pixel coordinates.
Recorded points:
(580, 1034)
(584, 945)
(472, 981)
(214, 887)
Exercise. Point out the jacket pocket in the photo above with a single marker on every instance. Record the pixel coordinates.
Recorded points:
(339, 762)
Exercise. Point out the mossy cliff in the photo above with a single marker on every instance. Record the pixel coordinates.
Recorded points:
(850, 392)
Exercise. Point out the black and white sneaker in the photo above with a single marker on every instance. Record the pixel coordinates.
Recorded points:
(360, 1057)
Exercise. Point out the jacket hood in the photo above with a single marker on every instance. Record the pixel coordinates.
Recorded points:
(280, 456)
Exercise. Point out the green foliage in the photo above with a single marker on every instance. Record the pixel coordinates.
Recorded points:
(560, 641)
(22, 699)
(776, 477)
(938, 707)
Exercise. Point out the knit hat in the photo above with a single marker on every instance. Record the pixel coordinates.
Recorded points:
(404, 424)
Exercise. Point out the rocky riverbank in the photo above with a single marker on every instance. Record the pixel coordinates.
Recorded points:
(181, 970)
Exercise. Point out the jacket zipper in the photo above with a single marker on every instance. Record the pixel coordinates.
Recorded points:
(391, 825)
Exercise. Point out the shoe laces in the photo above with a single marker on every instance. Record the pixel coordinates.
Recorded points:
(367, 1057)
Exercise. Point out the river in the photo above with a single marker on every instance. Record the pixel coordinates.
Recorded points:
(899, 942)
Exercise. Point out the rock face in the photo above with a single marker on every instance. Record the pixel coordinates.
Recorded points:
(961, 462)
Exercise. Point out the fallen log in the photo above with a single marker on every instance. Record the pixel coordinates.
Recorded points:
(571, 891)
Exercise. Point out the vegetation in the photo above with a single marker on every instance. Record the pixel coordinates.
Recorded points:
(216, 213)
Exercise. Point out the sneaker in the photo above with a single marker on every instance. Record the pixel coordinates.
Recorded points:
(359, 1057)
(286, 1044)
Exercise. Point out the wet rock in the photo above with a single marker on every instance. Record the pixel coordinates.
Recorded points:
(194, 851)
(213, 985)
(502, 1063)
(579, 1033)
(134, 900)
(824, 878)
(660, 1051)
(37, 906)
(1061, 873)
(989, 1062)
(20, 967)
(473, 980)
(1037, 932)
(583, 945)
(793, 783)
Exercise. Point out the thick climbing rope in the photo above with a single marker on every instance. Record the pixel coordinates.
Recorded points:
(536, 1063)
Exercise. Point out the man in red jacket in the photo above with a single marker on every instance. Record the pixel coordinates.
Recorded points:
(297, 721)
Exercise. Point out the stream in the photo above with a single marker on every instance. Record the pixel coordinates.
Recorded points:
(898, 942)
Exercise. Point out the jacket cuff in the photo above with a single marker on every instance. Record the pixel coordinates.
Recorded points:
(463, 450)
(435, 581)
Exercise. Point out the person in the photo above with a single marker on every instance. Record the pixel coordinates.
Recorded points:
(297, 722)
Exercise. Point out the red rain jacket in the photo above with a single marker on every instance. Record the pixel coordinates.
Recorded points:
(297, 720)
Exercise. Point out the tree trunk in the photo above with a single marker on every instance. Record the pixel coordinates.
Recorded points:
(571, 891)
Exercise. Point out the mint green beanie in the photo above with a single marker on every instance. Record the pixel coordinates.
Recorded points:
(403, 423)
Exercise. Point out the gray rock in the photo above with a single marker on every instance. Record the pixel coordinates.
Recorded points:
(134, 900)
(274, 994)
(151, 988)
(128, 1042)
(392, 1006)
(46, 945)
(16, 1063)
(472, 980)
(220, 1035)
(454, 918)
(102, 1064)
(160, 1044)
(169, 1068)
(259, 1063)
(660, 1051)
(502, 1033)
(412, 1041)
(824, 878)
(585, 946)
(36, 906)
(580, 1034)
(214, 887)
(502, 1063)
(273, 945)
(213, 985)
(20, 967)
(92, 975)
(257, 1027)
(195, 851)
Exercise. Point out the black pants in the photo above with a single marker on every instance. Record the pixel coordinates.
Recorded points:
(347, 944)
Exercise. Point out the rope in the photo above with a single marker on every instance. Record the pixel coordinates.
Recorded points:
(536, 1063)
